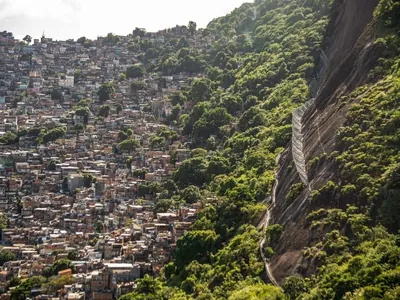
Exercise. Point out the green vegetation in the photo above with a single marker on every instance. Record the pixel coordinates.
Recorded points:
(51, 135)
(78, 129)
(88, 179)
(9, 138)
(135, 71)
(356, 256)
(128, 145)
(237, 118)
(137, 86)
(106, 91)
(365, 265)
(258, 291)
(257, 71)
(3, 220)
(295, 191)
(157, 142)
(58, 282)
(82, 109)
(23, 291)
(27, 39)
(125, 134)
(5, 256)
(104, 111)
(59, 265)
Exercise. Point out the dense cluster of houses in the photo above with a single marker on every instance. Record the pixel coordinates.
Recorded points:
(77, 197)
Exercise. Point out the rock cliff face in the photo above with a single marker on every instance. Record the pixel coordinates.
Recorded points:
(347, 58)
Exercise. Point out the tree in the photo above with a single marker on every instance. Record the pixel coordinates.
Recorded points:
(88, 179)
(52, 135)
(220, 60)
(232, 104)
(191, 194)
(258, 291)
(78, 129)
(22, 132)
(58, 282)
(178, 98)
(192, 171)
(141, 173)
(59, 265)
(81, 40)
(139, 32)
(243, 44)
(105, 91)
(183, 43)
(104, 111)
(137, 86)
(83, 112)
(111, 39)
(118, 108)
(210, 122)
(129, 162)
(294, 286)
(201, 89)
(27, 39)
(3, 221)
(34, 132)
(84, 103)
(218, 165)
(125, 134)
(196, 245)
(122, 136)
(9, 138)
(128, 145)
(73, 255)
(157, 142)
(5, 256)
(93, 241)
(197, 112)
(122, 77)
(227, 79)
(198, 152)
(56, 94)
(176, 110)
(162, 204)
(23, 291)
(135, 71)
(170, 65)
(192, 27)
(211, 143)
(15, 281)
(51, 166)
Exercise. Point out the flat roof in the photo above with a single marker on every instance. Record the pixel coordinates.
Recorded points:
(119, 266)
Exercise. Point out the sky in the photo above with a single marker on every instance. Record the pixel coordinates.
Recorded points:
(63, 19)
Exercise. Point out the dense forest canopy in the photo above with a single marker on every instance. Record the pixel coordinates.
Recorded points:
(258, 69)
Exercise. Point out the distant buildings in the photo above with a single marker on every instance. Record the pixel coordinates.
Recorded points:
(75, 196)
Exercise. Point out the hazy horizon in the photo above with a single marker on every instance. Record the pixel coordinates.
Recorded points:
(65, 19)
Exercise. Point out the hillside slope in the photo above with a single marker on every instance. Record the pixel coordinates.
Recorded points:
(326, 75)
(346, 78)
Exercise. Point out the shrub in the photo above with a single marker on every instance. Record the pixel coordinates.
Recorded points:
(294, 192)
